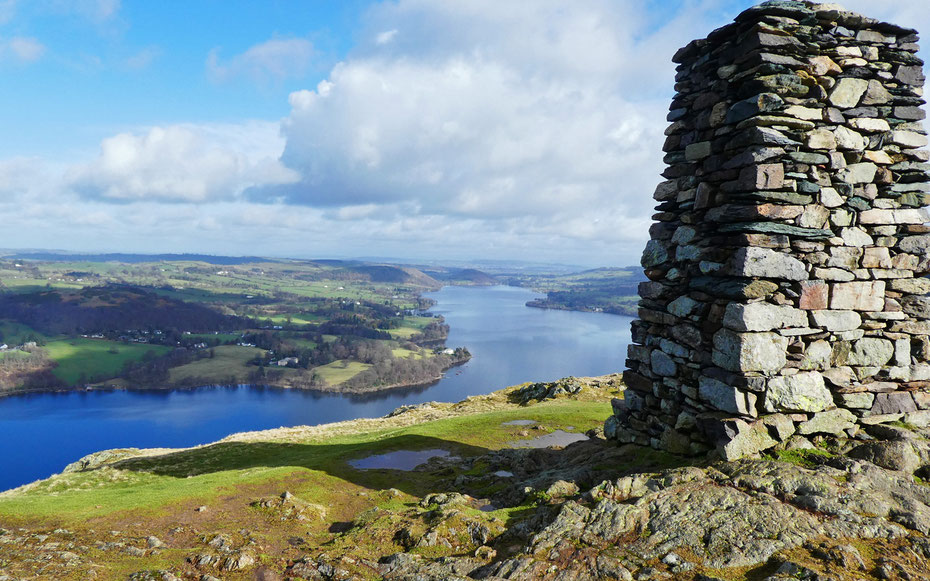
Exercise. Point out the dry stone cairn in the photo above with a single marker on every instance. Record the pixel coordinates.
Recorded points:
(786, 292)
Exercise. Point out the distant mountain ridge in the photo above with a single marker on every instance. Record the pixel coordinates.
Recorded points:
(136, 258)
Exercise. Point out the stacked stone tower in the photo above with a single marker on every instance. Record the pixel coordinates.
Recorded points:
(785, 265)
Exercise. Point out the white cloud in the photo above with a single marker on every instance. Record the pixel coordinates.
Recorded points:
(491, 110)
(21, 177)
(183, 163)
(536, 121)
(386, 36)
(481, 129)
(273, 60)
(21, 49)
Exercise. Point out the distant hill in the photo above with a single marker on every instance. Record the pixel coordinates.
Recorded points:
(137, 258)
(108, 308)
(464, 276)
(394, 274)
(476, 276)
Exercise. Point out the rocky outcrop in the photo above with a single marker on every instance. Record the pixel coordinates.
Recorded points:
(855, 513)
(787, 256)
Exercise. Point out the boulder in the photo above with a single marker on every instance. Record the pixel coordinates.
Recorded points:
(893, 455)
(745, 439)
(834, 422)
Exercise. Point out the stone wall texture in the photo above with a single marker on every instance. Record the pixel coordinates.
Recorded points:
(786, 292)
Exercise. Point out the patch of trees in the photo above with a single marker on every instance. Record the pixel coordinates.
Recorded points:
(607, 298)
(393, 371)
(358, 328)
(153, 370)
(27, 370)
(102, 309)
(434, 332)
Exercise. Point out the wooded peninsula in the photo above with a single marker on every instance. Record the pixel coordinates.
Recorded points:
(146, 322)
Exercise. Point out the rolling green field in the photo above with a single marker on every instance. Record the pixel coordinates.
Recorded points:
(339, 371)
(95, 358)
(402, 353)
(297, 318)
(411, 326)
(255, 298)
(228, 361)
(229, 284)
(199, 474)
(16, 333)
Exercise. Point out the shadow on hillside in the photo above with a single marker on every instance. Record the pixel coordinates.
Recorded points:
(585, 463)
(333, 459)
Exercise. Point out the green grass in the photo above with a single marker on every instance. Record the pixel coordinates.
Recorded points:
(165, 482)
(16, 333)
(411, 326)
(14, 354)
(401, 353)
(403, 332)
(95, 358)
(228, 361)
(297, 318)
(804, 458)
(339, 371)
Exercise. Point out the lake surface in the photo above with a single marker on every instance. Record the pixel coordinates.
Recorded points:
(510, 343)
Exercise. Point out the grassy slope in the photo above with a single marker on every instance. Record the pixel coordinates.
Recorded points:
(95, 357)
(16, 333)
(159, 482)
(340, 370)
(412, 326)
(231, 292)
(228, 361)
(158, 492)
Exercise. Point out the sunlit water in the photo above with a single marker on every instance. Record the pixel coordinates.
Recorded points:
(510, 343)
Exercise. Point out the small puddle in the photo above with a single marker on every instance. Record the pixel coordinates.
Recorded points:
(557, 438)
(405, 460)
(503, 474)
(519, 423)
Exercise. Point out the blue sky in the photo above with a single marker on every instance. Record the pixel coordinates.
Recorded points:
(107, 65)
(421, 129)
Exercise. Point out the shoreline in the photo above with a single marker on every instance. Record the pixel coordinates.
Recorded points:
(556, 307)
(335, 389)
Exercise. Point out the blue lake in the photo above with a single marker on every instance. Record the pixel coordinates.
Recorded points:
(510, 344)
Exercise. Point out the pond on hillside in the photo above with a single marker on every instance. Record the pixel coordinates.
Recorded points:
(510, 344)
